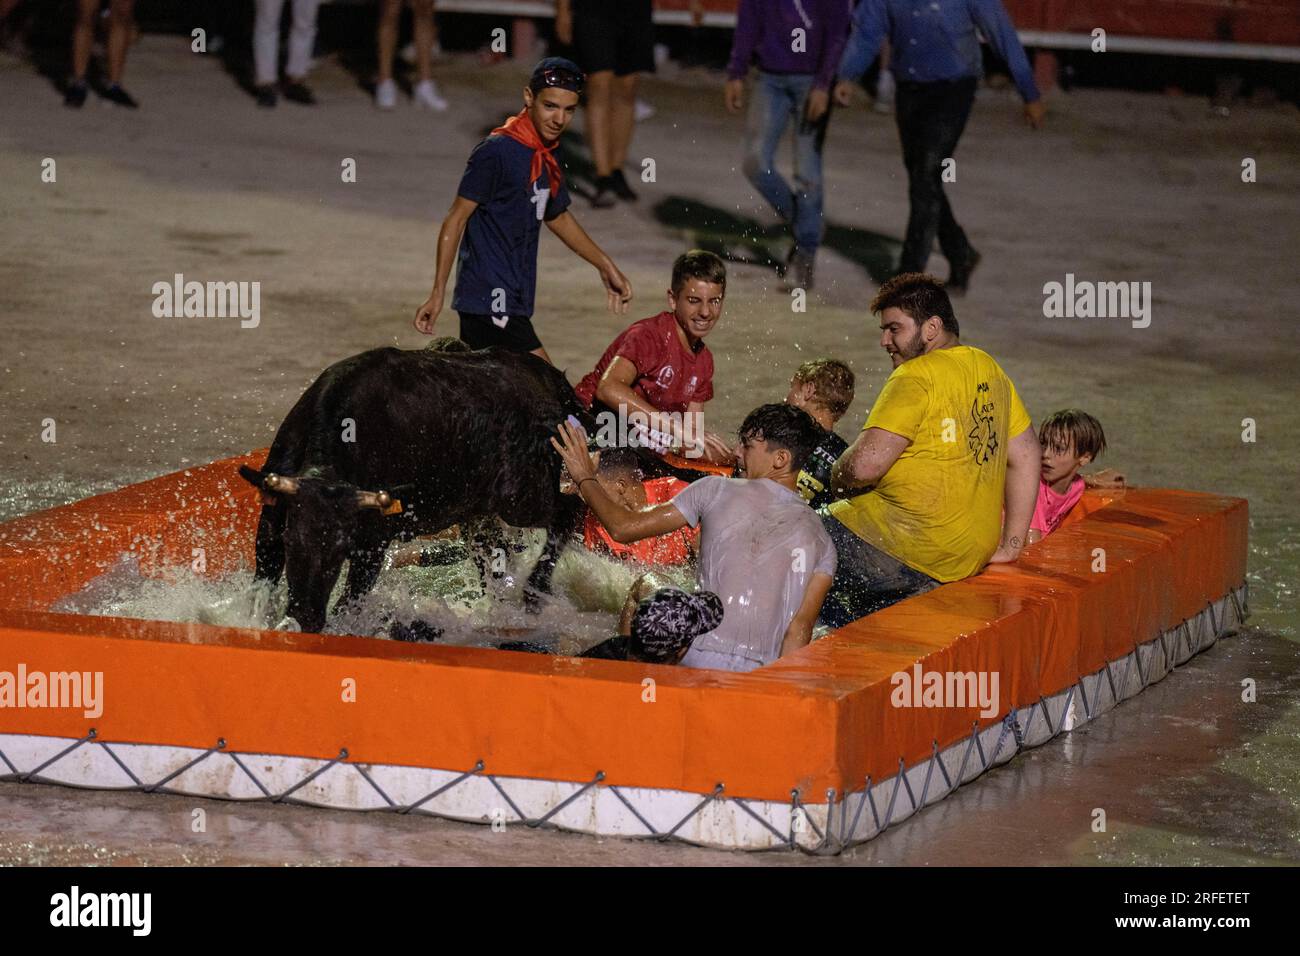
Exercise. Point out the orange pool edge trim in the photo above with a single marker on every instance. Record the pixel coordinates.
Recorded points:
(818, 720)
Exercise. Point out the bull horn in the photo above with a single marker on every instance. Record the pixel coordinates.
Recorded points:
(374, 499)
(281, 485)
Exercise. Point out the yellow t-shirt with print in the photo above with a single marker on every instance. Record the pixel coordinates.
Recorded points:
(939, 508)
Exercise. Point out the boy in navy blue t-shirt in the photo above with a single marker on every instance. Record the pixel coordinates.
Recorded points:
(511, 185)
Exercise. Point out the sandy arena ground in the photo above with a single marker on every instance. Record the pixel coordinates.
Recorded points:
(1117, 187)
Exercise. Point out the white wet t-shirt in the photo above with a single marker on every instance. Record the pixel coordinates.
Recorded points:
(760, 545)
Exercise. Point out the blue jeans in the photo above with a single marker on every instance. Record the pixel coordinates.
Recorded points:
(779, 99)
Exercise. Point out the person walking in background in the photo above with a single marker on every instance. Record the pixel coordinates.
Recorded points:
(937, 64)
(612, 42)
(266, 50)
(120, 24)
(425, 94)
(796, 45)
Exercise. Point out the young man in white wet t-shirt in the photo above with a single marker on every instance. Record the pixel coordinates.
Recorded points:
(763, 551)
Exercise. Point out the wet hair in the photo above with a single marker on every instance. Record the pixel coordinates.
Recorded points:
(784, 426)
(698, 264)
(1072, 429)
(832, 383)
(620, 463)
(667, 621)
(920, 296)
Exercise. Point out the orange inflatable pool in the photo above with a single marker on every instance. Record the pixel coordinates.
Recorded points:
(820, 750)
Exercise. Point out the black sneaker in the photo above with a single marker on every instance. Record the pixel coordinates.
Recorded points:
(265, 96)
(959, 276)
(604, 197)
(618, 182)
(798, 272)
(75, 95)
(297, 91)
(115, 94)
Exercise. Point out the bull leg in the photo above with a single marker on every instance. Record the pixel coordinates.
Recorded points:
(364, 565)
(557, 536)
(488, 547)
(270, 543)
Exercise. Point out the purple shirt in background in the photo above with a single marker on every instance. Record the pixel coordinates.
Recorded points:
(765, 33)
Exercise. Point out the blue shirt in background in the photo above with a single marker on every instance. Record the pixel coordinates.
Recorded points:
(935, 40)
(499, 248)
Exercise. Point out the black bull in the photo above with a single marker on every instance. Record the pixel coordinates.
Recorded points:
(455, 436)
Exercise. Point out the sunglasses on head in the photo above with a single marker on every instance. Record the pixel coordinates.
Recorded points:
(561, 78)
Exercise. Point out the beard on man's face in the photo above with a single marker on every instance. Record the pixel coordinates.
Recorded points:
(910, 348)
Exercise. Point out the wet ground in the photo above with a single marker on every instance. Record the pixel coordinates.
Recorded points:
(1118, 187)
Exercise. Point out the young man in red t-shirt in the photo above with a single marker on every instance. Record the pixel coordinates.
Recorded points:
(659, 372)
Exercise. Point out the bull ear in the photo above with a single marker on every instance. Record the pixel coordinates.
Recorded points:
(252, 476)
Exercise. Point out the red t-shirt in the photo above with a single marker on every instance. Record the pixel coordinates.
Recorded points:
(668, 375)
(670, 548)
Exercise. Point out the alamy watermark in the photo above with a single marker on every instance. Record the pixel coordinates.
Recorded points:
(1084, 299)
(83, 690)
(635, 429)
(75, 908)
(959, 689)
(208, 300)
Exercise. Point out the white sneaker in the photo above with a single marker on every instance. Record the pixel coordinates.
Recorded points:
(386, 95)
(427, 97)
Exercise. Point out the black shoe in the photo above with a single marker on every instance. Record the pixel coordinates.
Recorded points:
(959, 276)
(115, 94)
(75, 95)
(265, 96)
(618, 182)
(604, 197)
(798, 272)
(298, 92)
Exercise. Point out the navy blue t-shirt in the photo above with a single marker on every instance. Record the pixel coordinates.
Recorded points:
(499, 249)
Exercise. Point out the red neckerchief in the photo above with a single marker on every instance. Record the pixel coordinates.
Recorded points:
(521, 129)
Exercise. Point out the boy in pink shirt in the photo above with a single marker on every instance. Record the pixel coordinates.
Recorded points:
(1070, 440)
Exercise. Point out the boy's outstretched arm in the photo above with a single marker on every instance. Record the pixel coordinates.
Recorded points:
(623, 524)
(453, 227)
(1024, 466)
(617, 286)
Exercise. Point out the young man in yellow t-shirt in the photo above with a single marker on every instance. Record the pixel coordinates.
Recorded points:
(947, 448)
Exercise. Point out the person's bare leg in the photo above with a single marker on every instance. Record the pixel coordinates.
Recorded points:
(622, 117)
(83, 37)
(119, 38)
(598, 129)
(425, 34)
(386, 35)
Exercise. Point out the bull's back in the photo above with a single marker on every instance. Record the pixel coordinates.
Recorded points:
(460, 425)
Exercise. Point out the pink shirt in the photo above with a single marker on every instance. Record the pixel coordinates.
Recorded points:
(1051, 507)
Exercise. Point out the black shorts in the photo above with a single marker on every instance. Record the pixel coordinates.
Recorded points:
(482, 331)
(614, 35)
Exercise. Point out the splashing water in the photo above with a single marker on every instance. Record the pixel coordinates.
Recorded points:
(589, 593)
